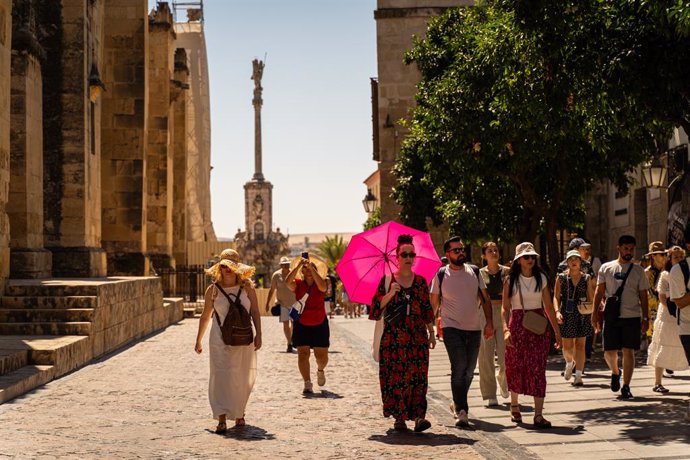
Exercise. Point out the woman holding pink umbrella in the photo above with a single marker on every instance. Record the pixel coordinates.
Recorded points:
(402, 300)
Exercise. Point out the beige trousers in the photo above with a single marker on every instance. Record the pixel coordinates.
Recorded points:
(487, 350)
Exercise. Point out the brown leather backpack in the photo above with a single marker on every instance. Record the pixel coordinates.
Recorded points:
(236, 329)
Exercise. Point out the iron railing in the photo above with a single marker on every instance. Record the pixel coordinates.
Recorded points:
(186, 281)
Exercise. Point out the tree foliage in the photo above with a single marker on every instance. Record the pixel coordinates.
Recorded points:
(373, 220)
(331, 250)
(510, 131)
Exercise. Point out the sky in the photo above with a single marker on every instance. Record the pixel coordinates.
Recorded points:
(316, 117)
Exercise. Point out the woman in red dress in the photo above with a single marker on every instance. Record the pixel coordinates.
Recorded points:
(403, 301)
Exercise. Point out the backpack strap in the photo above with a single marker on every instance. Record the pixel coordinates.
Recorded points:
(233, 303)
(440, 275)
(475, 269)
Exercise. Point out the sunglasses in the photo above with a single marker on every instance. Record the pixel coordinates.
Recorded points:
(456, 250)
(530, 257)
(411, 255)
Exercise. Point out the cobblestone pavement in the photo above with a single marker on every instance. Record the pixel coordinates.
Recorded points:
(150, 401)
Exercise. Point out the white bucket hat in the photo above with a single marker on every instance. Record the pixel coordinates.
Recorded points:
(524, 249)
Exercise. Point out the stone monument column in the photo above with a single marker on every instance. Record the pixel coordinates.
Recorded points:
(5, 63)
(124, 128)
(257, 102)
(28, 258)
(71, 137)
(179, 139)
(159, 162)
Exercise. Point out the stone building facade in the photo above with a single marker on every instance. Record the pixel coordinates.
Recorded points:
(393, 91)
(96, 110)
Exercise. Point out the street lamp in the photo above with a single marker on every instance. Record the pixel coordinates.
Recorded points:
(369, 202)
(654, 175)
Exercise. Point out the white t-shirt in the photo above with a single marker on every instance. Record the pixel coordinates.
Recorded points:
(612, 275)
(678, 289)
(460, 305)
(531, 298)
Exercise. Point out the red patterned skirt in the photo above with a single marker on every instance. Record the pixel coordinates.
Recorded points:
(526, 358)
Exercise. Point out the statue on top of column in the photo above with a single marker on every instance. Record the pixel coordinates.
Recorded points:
(257, 72)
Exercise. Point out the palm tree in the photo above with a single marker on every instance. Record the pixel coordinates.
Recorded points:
(331, 250)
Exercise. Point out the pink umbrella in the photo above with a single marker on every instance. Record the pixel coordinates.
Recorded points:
(371, 254)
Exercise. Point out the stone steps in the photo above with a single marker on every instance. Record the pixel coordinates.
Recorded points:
(11, 360)
(45, 328)
(43, 302)
(36, 315)
(24, 379)
(50, 290)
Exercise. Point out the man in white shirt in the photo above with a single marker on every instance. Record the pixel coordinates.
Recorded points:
(681, 296)
(461, 294)
(623, 332)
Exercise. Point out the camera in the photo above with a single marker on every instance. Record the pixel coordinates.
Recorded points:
(305, 255)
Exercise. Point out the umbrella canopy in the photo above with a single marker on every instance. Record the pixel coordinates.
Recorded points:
(371, 255)
(321, 266)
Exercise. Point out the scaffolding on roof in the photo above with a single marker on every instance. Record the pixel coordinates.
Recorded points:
(194, 10)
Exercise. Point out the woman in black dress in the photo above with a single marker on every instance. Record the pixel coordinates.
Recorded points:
(573, 288)
(403, 301)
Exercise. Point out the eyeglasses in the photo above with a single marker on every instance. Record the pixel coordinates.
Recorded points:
(456, 250)
(530, 257)
(411, 255)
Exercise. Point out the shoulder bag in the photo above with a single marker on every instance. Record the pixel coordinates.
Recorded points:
(585, 308)
(236, 328)
(612, 306)
(531, 320)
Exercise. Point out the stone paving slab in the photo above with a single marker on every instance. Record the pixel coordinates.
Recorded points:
(587, 419)
(149, 400)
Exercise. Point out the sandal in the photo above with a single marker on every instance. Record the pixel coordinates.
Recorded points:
(421, 424)
(221, 428)
(400, 425)
(240, 422)
(515, 415)
(541, 423)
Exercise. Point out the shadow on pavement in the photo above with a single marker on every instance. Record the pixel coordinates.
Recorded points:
(247, 433)
(325, 394)
(411, 438)
(648, 424)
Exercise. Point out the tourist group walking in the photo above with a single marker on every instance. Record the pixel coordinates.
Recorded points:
(502, 319)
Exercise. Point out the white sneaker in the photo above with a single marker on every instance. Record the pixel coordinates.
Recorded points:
(569, 367)
(462, 419)
(504, 392)
(492, 402)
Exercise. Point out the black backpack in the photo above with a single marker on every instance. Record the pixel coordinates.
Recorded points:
(670, 304)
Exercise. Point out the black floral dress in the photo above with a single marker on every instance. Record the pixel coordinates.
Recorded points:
(404, 352)
(574, 324)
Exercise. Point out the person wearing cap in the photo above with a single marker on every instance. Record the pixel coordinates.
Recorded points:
(232, 368)
(666, 350)
(622, 333)
(584, 249)
(284, 297)
(657, 257)
(527, 289)
(573, 288)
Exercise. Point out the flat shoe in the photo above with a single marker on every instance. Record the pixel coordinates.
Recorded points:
(221, 428)
(515, 415)
(660, 389)
(400, 425)
(240, 422)
(321, 378)
(421, 424)
(541, 423)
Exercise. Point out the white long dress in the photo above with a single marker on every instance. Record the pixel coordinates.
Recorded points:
(666, 350)
(233, 368)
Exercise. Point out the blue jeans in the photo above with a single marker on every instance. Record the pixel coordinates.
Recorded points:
(463, 349)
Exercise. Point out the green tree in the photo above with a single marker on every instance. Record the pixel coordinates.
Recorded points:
(504, 141)
(373, 220)
(331, 250)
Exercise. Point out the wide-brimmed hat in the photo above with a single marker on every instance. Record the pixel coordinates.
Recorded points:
(230, 254)
(573, 253)
(241, 270)
(657, 247)
(284, 260)
(524, 249)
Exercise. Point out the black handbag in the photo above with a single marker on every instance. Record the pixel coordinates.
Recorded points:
(395, 314)
(612, 306)
(275, 310)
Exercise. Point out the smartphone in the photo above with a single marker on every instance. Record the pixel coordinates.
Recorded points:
(305, 255)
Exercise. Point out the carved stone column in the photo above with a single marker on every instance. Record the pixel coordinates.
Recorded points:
(5, 45)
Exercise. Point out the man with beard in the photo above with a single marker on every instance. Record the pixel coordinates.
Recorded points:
(460, 291)
(622, 331)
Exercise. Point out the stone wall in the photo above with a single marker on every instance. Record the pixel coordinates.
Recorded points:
(5, 64)
(159, 162)
(124, 132)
